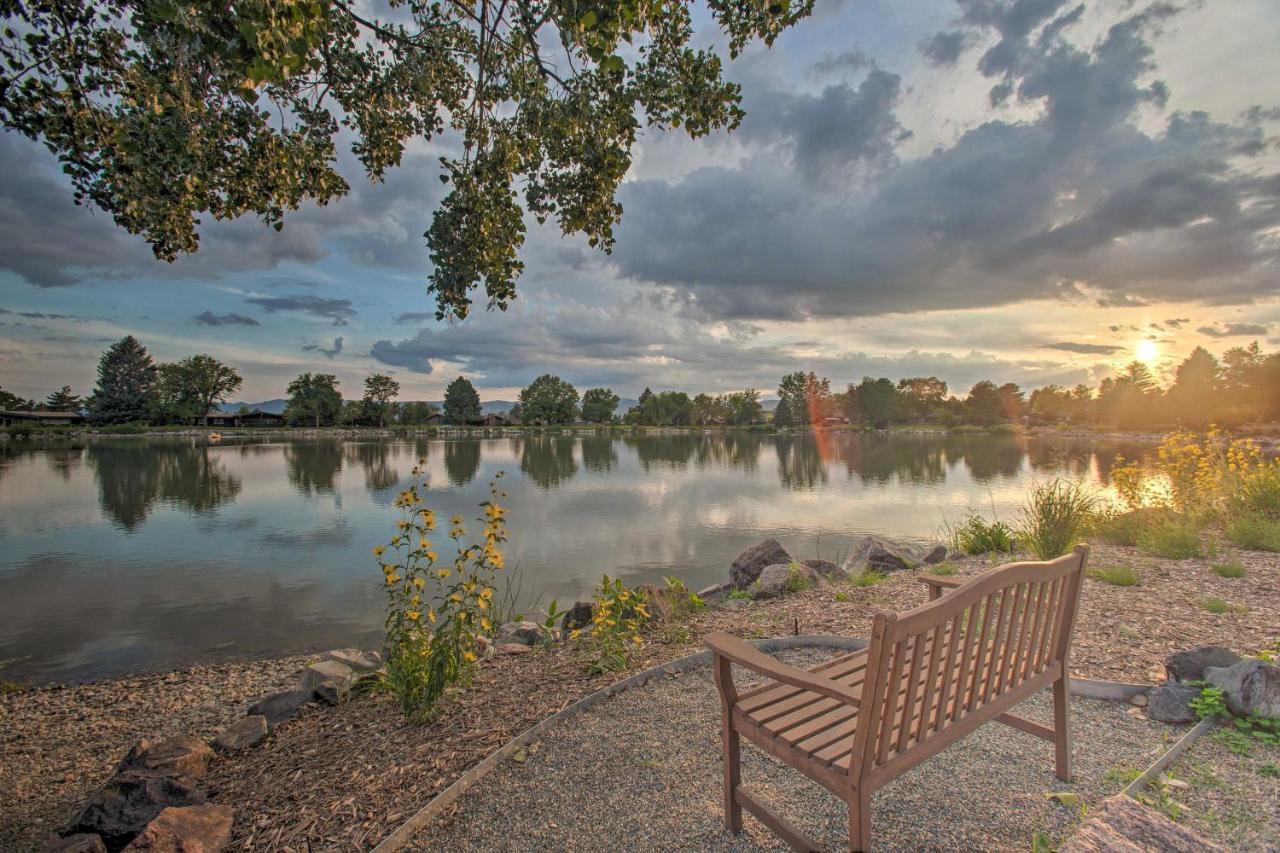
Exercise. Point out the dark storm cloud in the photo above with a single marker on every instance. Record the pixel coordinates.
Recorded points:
(985, 221)
(945, 48)
(327, 353)
(1234, 330)
(208, 318)
(1083, 349)
(339, 311)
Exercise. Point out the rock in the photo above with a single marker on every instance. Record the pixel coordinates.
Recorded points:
(1191, 664)
(827, 570)
(131, 800)
(193, 829)
(179, 756)
(278, 707)
(332, 692)
(484, 647)
(773, 580)
(81, 842)
(356, 659)
(1171, 702)
(244, 733)
(1123, 825)
(326, 670)
(751, 562)
(715, 591)
(513, 648)
(662, 602)
(578, 616)
(1138, 700)
(935, 554)
(1249, 687)
(888, 555)
(525, 633)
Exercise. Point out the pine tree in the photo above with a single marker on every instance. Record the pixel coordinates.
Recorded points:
(461, 402)
(63, 400)
(126, 377)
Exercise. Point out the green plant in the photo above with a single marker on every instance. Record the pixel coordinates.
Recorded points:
(1120, 775)
(1257, 492)
(867, 577)
(796, 579)
(1057, 514)
(1254, 532)
(1210, 702)
(1116, 575)
(1217, 606)
(618, 615)
(842, 595)
(944, 569)
(8, 687)
(739, 595)
(435, 611)
(1228, 570)
(1172, 537)
(686, 600)
(1124, 528)
(1269, 769)
(976, 535)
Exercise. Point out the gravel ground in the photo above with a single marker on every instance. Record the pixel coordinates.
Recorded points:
(642, 772)
(58, 745)
(1232, 799)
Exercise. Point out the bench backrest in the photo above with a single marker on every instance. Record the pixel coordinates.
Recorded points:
(937, 672)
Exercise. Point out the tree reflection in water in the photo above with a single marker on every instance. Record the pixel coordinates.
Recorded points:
(599, 453)
(800, 464)
(133, 477)
(461, 460)
(547, 460)
(375, 458)
(313, 466)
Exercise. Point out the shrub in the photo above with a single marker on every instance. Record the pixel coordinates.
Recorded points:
(434, 610)
(867, 577)
(618, 615)
(944, 569)
(686, 600)
(1172, 537)
(1116, 575)
(1228, 570)
(796, 580)
(1056, 516)
(1258, 492)
(976, 535)
(739, 595)
(841, 595)
(1255, 533)
(1124, 528)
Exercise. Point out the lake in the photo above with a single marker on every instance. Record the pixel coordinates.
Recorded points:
(133, 554)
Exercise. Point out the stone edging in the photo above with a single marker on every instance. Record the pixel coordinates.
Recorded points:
(400, 836)
(1157, 767)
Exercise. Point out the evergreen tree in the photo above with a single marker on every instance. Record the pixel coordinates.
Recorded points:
(126, 380)
(782, 414)
(461, 402)
(63, 400)
(1196, 384)
(984, 404)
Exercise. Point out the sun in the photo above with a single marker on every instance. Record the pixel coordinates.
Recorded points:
(1147, 352)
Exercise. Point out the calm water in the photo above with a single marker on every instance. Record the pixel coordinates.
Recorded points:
(130, 554)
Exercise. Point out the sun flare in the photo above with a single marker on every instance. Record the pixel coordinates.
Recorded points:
(1146, 352)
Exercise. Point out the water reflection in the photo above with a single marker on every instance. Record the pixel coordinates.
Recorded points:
(131, 479)
(800, 464)
(547, 459)
(313, 466)
(599, 453)
(375, 458)
(462, 460)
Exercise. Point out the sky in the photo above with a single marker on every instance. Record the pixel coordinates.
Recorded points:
(1033, 191)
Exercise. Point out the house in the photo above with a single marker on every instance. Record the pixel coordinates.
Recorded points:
(254, 418)
(10, 418)
(434, 419)
(494, 419)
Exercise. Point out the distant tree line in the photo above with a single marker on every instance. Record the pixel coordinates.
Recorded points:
(1243, 386)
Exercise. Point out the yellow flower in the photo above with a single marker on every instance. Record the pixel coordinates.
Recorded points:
(470, 656)
(377, 551)
(637, 640)
(424, 543)
(431, 615)
(575, 633)
(419, 583)
(431, 556)
(456, 520)
(412, 615)
(443, 572)
(486, 593)
(482, 604)
(485, 623)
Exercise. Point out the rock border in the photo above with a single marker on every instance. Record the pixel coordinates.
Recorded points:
(1092, 688)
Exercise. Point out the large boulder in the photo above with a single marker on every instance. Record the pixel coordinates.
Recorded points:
(1171, 702)
(285, 705)
(130, 801)
(578, 616)
(81, 842)
(358, 661)
(774, 580)
(190, 829)
(1191, 664)
(1248, 687)
(1123, 825)
(827, 570)
(178, 756)
(524, 633)
(881, 554)
(333, 671)
(751, 562)
(244, 733)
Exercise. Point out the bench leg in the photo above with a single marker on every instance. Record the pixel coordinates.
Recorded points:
(732, 778)
(1062, 729)
(860, 822)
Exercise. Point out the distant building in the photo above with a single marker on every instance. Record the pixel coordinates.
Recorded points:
(434, 419)
(494, 419)
(9, 418)
(255, 418)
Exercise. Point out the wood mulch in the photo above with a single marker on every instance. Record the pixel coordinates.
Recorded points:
(344, 777)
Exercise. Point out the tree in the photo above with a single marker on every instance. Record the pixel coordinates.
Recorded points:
(669, 408)
(741, 407)
(921, 395)
(379, 390)
(417, 412)
(874, 401)
(209, 381)
(161, 112)
(1196, 385)
(126, 376)
(13, 403)
(461, 402)
(515, 414)
(314, 397)
(1130, 399)
(63, 400)
(172, 399)
(782, 414)
(1012, 404)
(807, 397)
(548, 400)
(984, 404)
(598, 405)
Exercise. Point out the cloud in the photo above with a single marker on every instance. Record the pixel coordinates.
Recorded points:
(1177, 322)
(849, 61)
(1083, 349)
(414, 317)
(41, 315)
(945, 48)
(1232, 330)
(208, 318)
(327, 353)
(339, 311)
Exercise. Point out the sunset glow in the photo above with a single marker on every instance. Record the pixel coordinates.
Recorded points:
(1147, 352)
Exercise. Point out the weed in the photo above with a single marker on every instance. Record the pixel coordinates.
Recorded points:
(1116, 575)
(1228, 570)
(1172, 537)
(867, 577)
(1124, 528)
(739, 595)
(842, 596)
(976, 535)
(1056, 516)
(1120, 775)
(1255, 532)
(687, 601)
(1218, 607)
(1269, 769)
(8, 687)
(944, 569)
(796, 580)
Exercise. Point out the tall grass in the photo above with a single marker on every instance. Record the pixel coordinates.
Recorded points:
(976, 535)
(1255, 532)
(1173, 537)
(1056, 516)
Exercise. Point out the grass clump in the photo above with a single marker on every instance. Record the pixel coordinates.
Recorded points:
(1228, 570)
(1218, 607)
(796, 579)
(1255, 532)
(944, 569)
(1056, 516)
(867, 577)
(842, 595)
(8, 687)
(1172, 537)
(1116, 575)
(976, 535)
(739, 595)
(1124, 528)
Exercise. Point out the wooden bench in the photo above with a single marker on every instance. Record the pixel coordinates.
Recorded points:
(928, 678)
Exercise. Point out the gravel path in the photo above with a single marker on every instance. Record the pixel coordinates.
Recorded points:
(642, 772)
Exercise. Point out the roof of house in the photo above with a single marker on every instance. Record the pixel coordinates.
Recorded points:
(25, 414)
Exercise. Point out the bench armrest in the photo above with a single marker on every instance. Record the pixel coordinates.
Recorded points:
(745, 654)
(937, 583)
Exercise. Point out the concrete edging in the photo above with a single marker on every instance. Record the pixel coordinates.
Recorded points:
(1173, 754)
(400, 835)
